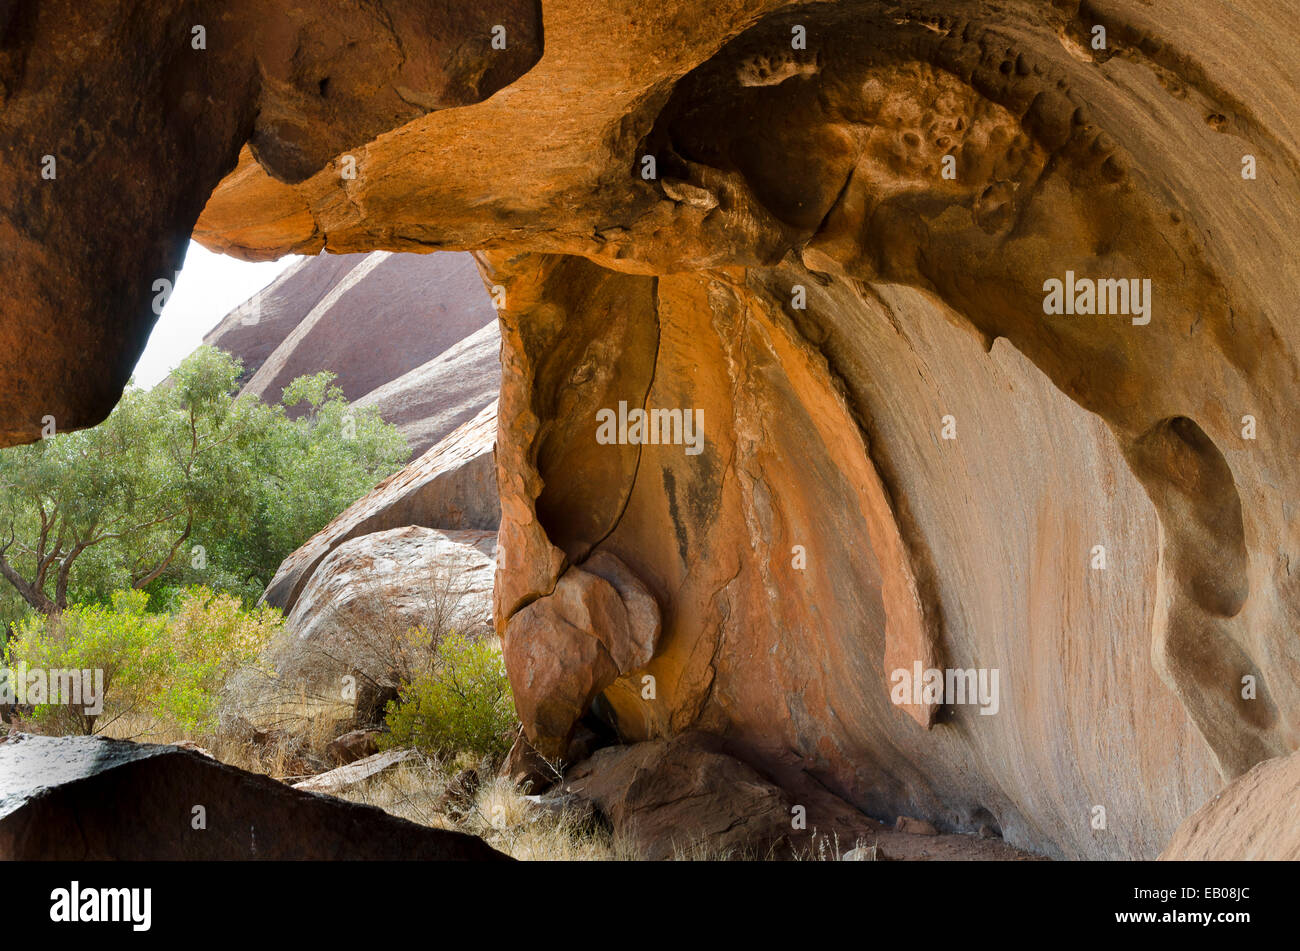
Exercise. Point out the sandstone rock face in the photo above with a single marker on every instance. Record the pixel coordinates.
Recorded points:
(841, 254)
(599, 623)
(76, 799)
(113, 167)
(793, 663)
(449, 390)
(434, 367)
(1257, 817)
(254, 330)
(451, 486)
(425, 304)
(689, 796)
(364, 596)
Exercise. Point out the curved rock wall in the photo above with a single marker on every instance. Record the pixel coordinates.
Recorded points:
(791, 582)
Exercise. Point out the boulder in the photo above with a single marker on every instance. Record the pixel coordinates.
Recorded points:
(452, 486)
(1256, 817)
(599, 624)
(355, 612)
(77, 799)
(667, 797)
(690, 796)
(352, 746)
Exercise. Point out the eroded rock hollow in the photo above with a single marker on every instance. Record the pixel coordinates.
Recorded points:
(821, 240)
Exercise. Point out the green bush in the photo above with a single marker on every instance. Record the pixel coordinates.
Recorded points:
(161, 671)
(462, 704)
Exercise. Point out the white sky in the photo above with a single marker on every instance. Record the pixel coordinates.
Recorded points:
(210, 286)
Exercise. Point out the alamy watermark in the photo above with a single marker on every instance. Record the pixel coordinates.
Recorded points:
(968, 685)
(62, 686)
(653, 427)
(77, 904)
(1083, 296)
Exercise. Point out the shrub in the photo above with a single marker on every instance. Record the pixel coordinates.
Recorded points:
(462, 703)
(170, 668)
(118, 639)
(208, 638)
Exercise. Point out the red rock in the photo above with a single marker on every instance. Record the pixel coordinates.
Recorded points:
(352, 746)
(801, 270)
(599, 624)
(668, 797)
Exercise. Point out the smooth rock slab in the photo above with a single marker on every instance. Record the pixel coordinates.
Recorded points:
(87, 798)
(1256, 817)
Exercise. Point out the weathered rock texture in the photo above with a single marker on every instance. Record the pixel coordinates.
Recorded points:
(353, 614)
(435, 365)
(688, 796)
(254, 330)
(78, 799)
(1257, 817)
(430, 401)
(799, 268)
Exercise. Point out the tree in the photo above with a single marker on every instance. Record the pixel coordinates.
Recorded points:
(185, 484)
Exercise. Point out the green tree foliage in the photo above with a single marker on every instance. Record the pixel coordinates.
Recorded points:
(183, 484)
(158, 669)
(461, 704)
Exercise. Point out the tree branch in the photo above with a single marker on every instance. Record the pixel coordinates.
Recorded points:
(162, 565)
